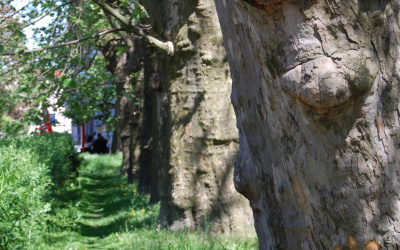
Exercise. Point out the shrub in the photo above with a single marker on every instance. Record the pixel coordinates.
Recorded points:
(24, 184)
(32, 169)
(54, 150)
(11, 127)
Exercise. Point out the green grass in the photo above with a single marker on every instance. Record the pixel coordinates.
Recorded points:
(99, 211)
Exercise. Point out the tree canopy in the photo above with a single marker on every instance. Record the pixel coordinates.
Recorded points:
(67, 64)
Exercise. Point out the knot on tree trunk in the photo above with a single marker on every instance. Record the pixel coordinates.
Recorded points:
(267, 5)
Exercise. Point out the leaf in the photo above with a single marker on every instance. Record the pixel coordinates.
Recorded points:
(1, 48)
(19, 33)
(121, 50)
(36, 120)
(69, 82)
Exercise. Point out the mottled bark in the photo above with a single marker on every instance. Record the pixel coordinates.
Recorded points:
(316, 95)
(195, 140)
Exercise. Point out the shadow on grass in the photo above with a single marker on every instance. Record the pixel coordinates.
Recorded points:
(105, 213)
(103, 230)
(102, 199)
(106, 203)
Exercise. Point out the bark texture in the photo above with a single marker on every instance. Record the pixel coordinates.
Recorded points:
(195, 140)
(316, 95)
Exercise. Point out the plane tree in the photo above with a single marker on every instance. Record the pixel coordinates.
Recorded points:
(316, 96)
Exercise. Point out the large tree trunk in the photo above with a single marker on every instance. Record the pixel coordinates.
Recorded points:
(316, 95)
(195, 141)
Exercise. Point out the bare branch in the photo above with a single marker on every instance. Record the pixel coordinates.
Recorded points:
(166, 47)
(66, 28)
(64, 44)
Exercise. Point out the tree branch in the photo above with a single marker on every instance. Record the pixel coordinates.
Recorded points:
(64, 44)
(16, 12)
(40, 18)
(166, 47)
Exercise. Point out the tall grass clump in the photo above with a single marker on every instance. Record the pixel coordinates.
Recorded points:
(32, 169)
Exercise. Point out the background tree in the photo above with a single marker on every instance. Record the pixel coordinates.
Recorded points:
(125, 56)
(66, 67)
(194, 141)
(11, 108)
(316, 95)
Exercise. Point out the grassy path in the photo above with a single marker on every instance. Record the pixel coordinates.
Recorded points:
(101, 212)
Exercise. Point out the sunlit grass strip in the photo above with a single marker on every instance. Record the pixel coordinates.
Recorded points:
(115, 216)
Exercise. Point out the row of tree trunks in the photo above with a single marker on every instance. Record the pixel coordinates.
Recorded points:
(316, 96)
(128, 68)
(194, 141)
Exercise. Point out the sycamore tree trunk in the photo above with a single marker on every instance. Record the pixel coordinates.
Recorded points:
(116, 146)
(194, 140)
(316, 96)
(127, 67)
(148, 171)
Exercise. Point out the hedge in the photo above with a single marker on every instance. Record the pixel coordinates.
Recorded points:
(32, 169)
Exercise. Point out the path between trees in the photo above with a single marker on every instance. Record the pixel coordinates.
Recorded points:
(111, 215)
(106, 210)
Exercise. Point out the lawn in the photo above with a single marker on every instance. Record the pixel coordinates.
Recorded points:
(99, 211)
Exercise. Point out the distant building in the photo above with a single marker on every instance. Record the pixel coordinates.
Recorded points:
(93, 127)
(59, 123)
(62, 124)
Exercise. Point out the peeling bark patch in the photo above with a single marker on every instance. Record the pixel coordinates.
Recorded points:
(352, 243)
(380, 127)
(267, 5)
(301, 198)
(373, 245)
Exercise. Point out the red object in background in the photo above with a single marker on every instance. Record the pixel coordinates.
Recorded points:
(46, 127)
(83, 137)
(58, 73)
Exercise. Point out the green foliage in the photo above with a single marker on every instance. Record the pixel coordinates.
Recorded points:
(54, 150)
(11, 127)
(69, 82)
(31, 171)
(76, 74)
(89, 93)
(24, 185)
